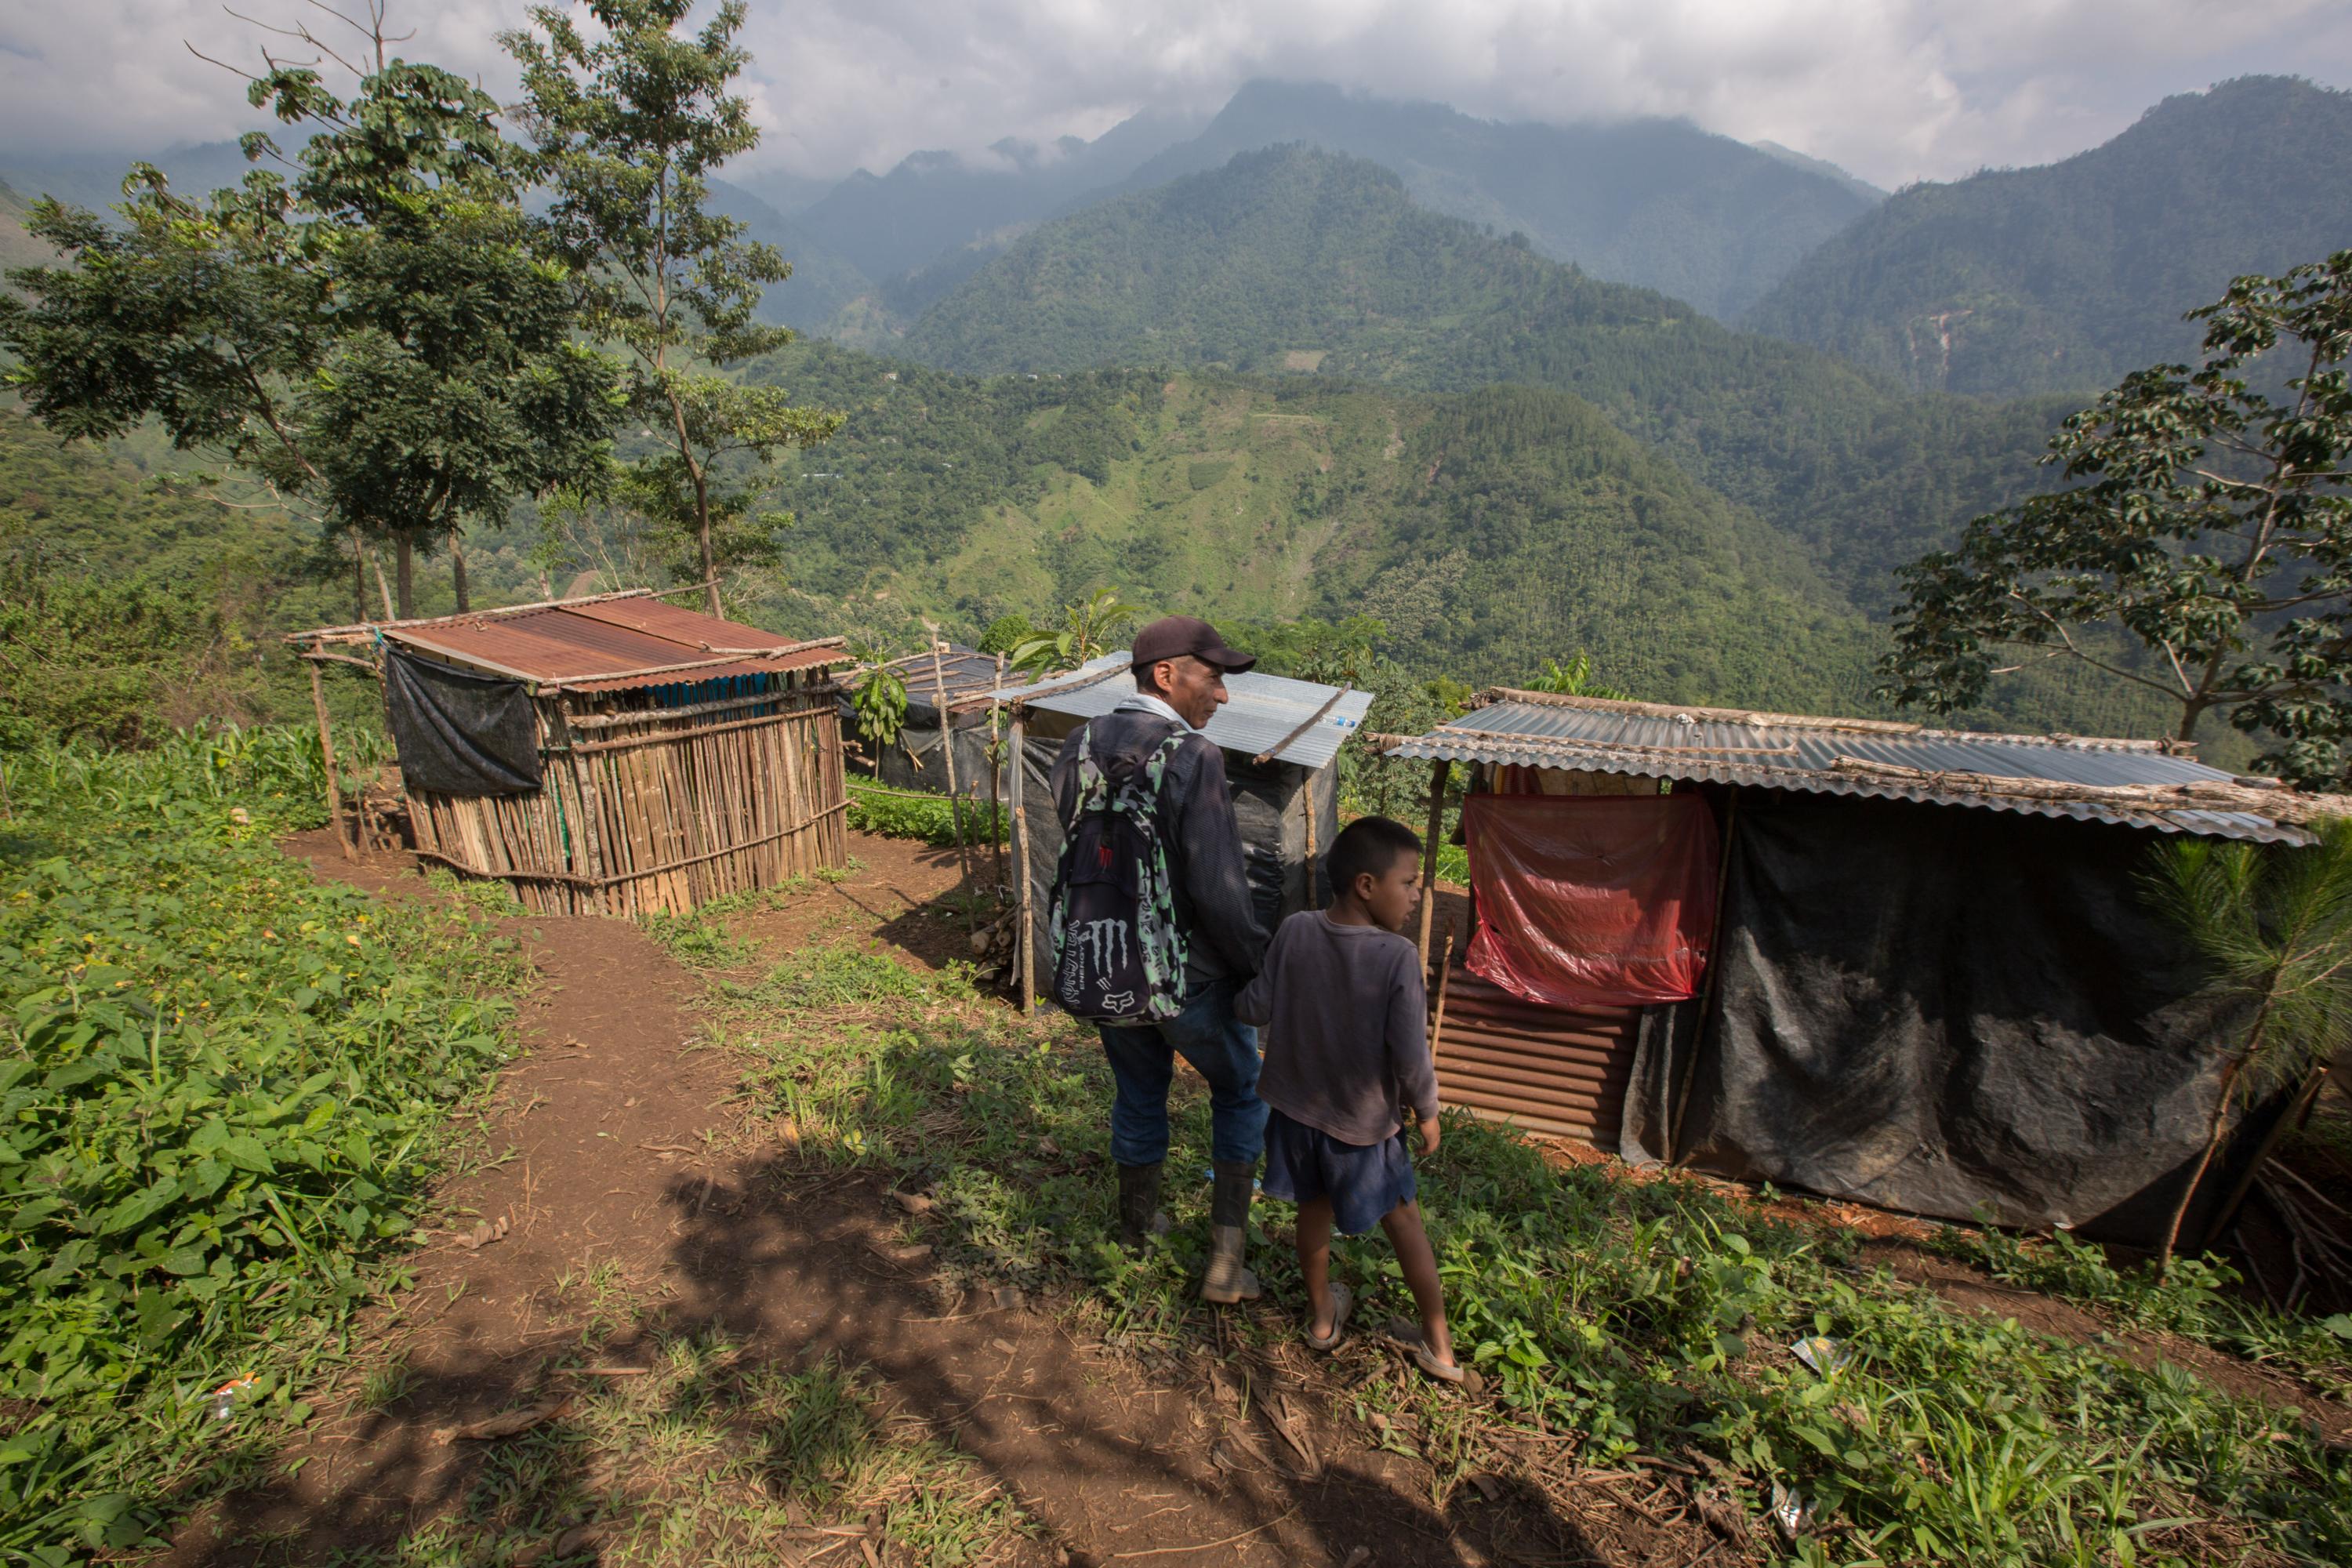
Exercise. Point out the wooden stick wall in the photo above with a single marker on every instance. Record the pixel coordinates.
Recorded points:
(658, 809)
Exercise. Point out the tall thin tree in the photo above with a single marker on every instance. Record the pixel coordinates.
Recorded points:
(375, 339)
(2274, 925)
(629, 124)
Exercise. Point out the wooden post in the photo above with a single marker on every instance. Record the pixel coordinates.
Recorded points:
(1707, 992)
(1309, 794)
(1024, 952)
(2292, 1117)
(326, 755)
(1437, 778)
(1444, 972)
(947, 747)
(996, 784)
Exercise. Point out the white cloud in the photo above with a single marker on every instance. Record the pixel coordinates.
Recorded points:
(1895, 90)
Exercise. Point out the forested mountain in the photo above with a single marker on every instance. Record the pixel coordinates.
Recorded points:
(2069, 276)
(1658, 203)
(1485, 532)
(1294, 259)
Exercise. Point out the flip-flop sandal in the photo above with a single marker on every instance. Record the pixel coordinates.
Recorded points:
(1343, 1301)
(1464, 1378)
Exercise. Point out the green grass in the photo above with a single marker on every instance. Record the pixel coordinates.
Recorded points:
(223, 1090)
(1647, 1318)
(2199, 1300)
(928, 818)
(715, 1459)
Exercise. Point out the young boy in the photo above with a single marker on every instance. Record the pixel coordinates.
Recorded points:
(1347, 1057)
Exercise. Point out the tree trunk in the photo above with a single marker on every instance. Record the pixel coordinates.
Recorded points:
(382, 588)
(710, 558)
(457, 569)
(2212, 1145)
(404, 570)
(359, 578)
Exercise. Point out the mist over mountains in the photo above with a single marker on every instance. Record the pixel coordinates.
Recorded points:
(1516, 389)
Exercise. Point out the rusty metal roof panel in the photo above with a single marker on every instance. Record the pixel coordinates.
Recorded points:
(575, 644)
(1805, 754)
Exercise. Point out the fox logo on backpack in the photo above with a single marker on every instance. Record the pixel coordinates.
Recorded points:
(1117, 957)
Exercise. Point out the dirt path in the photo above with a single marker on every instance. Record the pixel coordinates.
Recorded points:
(635, 1178)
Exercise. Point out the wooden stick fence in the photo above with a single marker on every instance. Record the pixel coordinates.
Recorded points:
(658, 809)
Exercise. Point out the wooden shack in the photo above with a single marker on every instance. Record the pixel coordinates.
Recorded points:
(609, 754)
(1869, 960)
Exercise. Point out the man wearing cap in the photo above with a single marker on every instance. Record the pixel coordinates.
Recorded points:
(1180, 669)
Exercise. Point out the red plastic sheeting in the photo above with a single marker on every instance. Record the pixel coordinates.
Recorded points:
(1587, 900)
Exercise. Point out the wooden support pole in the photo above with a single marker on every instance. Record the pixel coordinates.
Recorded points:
(996, 786)
(1707, 992)
(1308, 795)
(947, 747)
(1444, 973)
(326, 755)
(1025, 953)
(1437, 777)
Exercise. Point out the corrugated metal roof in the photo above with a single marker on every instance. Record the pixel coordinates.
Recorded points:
(575, 645)
(1266, 710)
(1838, 757)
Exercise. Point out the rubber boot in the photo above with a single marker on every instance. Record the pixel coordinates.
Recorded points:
(1229, 1205)
(1139, 1218)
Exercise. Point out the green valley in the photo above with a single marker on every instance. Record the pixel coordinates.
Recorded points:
(1295, 260)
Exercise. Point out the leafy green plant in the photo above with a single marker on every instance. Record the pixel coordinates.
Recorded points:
(2274, 926)
(224, 1090)
(1628, 1317)
(2195, 1298)
(1573, 678)
(1089, 628)
(2199, 554)
(879, 699)
(895, 814)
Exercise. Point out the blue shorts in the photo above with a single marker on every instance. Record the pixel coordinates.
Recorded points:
(1364, 1180)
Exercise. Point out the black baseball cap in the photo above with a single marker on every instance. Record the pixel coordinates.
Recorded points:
(1176, 636)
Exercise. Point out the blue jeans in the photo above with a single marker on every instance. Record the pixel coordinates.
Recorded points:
(1220, 1049)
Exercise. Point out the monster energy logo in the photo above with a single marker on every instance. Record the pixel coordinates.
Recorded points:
(1104, 943)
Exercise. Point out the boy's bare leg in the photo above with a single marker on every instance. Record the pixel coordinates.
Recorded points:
(1314, 1259)
(1418, 1264)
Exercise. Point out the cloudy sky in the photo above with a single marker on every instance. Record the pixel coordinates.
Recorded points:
(1894, 89)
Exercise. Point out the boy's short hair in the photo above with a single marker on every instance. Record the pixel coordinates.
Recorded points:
(1369, 845)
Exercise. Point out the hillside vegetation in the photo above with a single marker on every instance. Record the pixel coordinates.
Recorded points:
(1487, 532)
(1657, 202)
(2071, 276)
(1298, 260)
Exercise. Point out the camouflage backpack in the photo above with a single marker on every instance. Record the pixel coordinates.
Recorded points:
(1117, 956)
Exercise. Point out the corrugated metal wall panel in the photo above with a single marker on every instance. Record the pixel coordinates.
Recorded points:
(1560, 1070)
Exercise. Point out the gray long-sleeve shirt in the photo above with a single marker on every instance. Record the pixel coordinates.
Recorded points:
(1222, 935)
(1346, 1015)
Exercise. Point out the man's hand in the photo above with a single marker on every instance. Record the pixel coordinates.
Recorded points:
(1429, 1134)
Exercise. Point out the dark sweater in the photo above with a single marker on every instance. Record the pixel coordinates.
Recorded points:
(1223, 939)
(1346, 1015)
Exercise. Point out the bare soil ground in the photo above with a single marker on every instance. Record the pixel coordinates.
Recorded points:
(634, 1203)
(622, 1169)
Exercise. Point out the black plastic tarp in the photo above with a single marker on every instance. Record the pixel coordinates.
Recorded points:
(1938, 1009)
(459, 733)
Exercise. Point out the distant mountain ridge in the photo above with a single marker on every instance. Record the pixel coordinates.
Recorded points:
(1295, 260)
(2069, 276)
(1656, 202)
